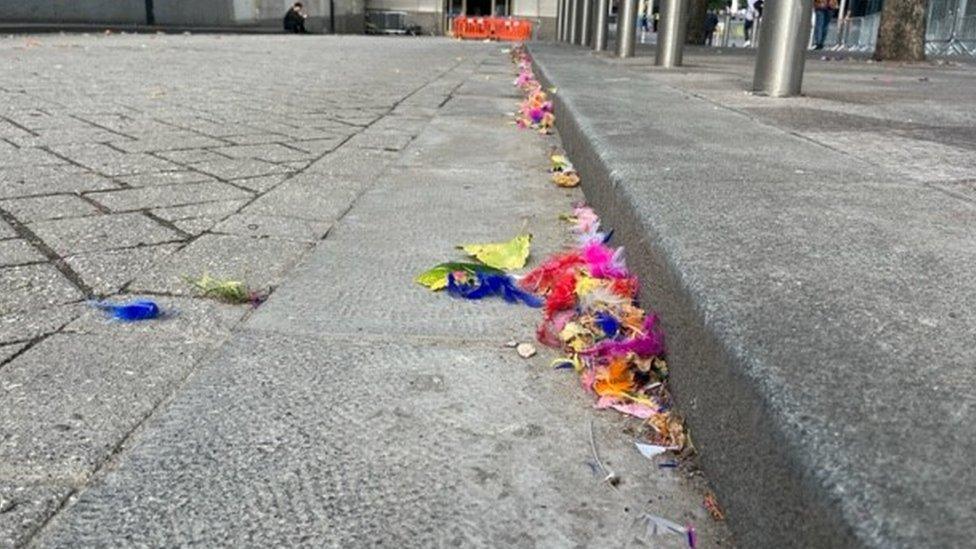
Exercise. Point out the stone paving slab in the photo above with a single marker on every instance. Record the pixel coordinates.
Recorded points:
(164, 178)
(311, 197)
(42, 208)
(127, 200)
(216, 209)
(29, 325)
(290, 455)
(806, 308)
(89, 234)
(110, 272)
(44, 180)
(261, 263)
(109, 161)
(33, 287)
(29, 506)
(69, 400)
(231, 169)
(6, 231)
(18, 252)
(267, 226)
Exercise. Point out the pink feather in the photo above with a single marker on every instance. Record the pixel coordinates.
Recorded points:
(603, 261)
(648, 344)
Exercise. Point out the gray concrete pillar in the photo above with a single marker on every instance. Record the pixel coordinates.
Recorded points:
(600, 29)
(782, 51)
(626, 27)
(586, 22)
(671, 31)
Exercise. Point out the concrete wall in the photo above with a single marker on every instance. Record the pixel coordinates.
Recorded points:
(194, 12)
(73, 11)
(534, 8)
(349, 14)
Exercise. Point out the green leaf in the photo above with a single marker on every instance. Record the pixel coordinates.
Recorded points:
(507, 256)
(230, 291)
(436, 277)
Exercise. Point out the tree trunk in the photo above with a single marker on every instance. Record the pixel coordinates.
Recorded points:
(697, 9)
(901, 36)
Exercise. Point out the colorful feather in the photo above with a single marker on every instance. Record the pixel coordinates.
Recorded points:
(483, 285)
(133, 311)
(648, 344)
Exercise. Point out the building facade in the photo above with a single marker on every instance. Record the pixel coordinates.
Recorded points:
(341, 16)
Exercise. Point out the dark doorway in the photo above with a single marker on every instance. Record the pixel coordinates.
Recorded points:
(479, 7)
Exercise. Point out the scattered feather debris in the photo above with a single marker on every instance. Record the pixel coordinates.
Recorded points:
(710, 503)
(525, 350)
(650, 451)
(436, 277)
(562, 170)
(131, 311)
(227, 290)
(590, 311)
(536, 110)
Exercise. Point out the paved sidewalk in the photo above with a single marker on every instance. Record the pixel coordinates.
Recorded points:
(354, 407)
(812, 258)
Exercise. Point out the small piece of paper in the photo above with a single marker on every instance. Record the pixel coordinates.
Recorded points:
(651, 450)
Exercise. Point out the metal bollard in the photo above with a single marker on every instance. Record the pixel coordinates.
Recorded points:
(726, 30)
(600, 29)
(626, 27)
(573, 21)
(565, 23)
(559, 19)
(586, 22)
(671, 32)
(782, 50)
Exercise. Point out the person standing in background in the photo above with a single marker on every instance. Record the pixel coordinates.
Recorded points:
(823, 10)
(749, 19)
(711, 22)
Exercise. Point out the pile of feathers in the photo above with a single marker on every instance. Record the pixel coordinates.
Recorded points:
(535, 111)
(591, 313)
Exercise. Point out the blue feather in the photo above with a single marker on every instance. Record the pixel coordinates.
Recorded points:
(491, 284)
(607, 323)
(142, 309)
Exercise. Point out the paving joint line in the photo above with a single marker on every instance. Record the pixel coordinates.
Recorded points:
(100, 126)
(165, 223)
(19, 126)
(56, 260)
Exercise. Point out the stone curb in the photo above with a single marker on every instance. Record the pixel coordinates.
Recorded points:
(772, 498)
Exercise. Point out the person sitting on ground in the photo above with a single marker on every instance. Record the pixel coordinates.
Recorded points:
(295, 19)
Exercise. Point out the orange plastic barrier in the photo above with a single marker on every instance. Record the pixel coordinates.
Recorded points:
(506, 29)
